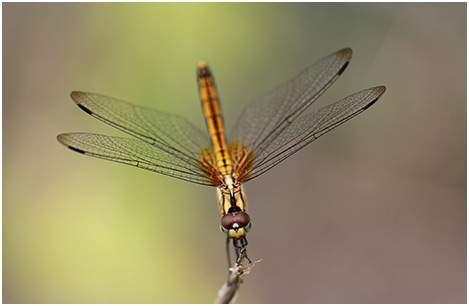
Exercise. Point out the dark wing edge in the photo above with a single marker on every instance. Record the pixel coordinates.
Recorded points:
(135, 153)
(167, 132)
(311, 126)
(267, 117)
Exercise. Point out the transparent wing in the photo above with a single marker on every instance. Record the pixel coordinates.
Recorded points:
(136, 153)
(310, 127)
(262, 121)
(172, 140)
(165, 131)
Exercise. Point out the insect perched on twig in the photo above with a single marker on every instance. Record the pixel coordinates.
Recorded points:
(268, 131)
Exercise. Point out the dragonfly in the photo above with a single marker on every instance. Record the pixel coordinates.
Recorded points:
(269, 130)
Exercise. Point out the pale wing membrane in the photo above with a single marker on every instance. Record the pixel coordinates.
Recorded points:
(311, 126)
(166, 132)
(170, 142)
(262, 121)
(134, 152)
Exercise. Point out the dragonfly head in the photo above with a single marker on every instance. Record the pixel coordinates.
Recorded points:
(235, 224)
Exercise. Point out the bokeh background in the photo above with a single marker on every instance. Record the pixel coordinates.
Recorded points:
(374, 212)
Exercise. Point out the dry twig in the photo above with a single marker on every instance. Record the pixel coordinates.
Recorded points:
(229, 290)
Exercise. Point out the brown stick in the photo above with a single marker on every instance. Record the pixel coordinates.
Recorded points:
(229, 290)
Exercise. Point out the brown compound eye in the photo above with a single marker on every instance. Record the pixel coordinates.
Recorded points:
(227, 221)
(242, 219)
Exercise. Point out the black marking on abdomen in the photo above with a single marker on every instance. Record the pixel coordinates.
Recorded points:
(214, 115)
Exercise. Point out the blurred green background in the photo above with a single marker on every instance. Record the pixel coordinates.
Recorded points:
(374, 212)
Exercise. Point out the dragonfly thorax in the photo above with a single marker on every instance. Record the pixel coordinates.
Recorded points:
(229, 182)
(230, 196)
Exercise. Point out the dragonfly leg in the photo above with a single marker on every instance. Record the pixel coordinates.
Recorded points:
(244, 243)
(240, 248)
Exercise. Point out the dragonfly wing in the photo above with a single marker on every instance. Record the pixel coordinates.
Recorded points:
(136, 153)
(262, 121)
(166, 132)
(311, 126)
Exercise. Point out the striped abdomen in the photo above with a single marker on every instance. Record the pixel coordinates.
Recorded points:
(214, 119)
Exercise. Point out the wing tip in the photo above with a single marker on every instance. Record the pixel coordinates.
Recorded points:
(380, 90)
(345, 52)
(78, 97)
(64, 139)
(379, 93)
(345, 55)
(59, 138)
(74, 94)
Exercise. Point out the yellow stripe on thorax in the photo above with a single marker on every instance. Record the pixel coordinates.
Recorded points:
(213, 118)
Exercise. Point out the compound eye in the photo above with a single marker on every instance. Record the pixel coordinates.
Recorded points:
(227, 221)
(242, 219)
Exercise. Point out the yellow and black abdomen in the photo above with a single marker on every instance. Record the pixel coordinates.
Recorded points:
(214, 119)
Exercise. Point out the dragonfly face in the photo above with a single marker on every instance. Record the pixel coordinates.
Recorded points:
(268, 131)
